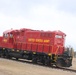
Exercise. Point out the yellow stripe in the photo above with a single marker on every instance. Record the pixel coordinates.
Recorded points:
(17, 50)
(3, 48)
(49, 54)
(56, 50)
(55, 58)
(24, 51)
(34, 52)
(13, 50)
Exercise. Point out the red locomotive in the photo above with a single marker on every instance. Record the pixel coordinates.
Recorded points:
(46, 47)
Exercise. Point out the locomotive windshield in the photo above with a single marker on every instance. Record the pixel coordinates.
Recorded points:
(59, 39)
(58, 36)
(5, 35)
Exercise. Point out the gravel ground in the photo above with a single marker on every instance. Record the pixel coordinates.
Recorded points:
(10, 67)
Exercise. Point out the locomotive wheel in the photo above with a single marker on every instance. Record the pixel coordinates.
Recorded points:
(47, 62)
(59, 63)
(68, 63)
(16, 58)
(8, 56)
(2, 56)
(42, 61)
(34, 60)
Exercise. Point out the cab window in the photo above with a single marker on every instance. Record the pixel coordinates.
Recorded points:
(11, 35)
(5, 35)
(58, 36)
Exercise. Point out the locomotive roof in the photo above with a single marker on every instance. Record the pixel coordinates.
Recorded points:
(30, 30)
(56, 32)
(10, 31)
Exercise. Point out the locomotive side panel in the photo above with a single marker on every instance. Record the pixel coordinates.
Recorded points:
(40, 48)
(46, 49)
(34, 47)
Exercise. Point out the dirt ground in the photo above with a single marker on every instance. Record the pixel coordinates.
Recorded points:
(10, 67)
(74, 64)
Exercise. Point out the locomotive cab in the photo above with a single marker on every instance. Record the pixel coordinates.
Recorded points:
(62, 56)
(59, 41)
(8, 37)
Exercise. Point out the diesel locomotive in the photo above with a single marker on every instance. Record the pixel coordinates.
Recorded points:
(45, 47)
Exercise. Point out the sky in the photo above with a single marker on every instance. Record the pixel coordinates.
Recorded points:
(40, 15)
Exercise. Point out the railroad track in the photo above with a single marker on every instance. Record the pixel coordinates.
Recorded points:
(53, 67)
(67, 69)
